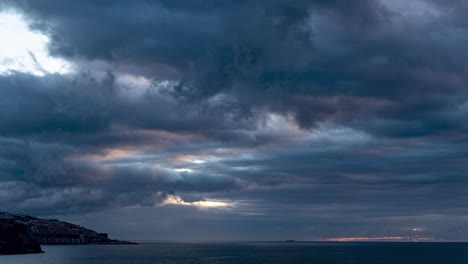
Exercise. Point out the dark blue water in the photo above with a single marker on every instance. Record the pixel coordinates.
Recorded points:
(268, 253)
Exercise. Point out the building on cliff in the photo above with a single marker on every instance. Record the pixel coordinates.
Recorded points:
(52, 231)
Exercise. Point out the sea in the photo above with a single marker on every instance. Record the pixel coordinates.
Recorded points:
(250, 252)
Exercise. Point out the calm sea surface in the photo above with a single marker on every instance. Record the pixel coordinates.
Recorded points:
(270, 253)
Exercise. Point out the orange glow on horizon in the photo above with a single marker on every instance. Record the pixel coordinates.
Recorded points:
(377, 239)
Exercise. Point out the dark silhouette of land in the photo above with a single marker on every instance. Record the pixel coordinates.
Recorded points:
(15, 238)
(49, 231)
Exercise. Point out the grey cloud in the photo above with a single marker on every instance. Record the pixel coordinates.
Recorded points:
(81, 104)
(393, 84)
(319, 60)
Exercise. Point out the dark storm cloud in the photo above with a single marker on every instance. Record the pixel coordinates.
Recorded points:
(357, 63)
(309, 116)
(82, 104)
(44, 178)
(50, 124)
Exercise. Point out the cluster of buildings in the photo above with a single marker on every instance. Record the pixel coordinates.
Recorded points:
(52, 231)
(56, 232)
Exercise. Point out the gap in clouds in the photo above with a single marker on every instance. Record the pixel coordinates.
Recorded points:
(24, 50)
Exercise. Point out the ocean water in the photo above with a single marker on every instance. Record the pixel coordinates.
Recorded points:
(268, 253)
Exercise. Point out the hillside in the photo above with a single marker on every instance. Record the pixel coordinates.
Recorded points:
(53, 231)
(15, 239)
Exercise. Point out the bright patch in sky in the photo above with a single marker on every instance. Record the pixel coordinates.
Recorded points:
(176, 200)
(24, 50)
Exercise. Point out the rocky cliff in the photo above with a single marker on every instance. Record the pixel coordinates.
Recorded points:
(15, 239)
(53, 231)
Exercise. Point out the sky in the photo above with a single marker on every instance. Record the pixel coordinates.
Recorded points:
(237, 119)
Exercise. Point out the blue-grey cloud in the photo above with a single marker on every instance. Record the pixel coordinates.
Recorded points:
(324, 118)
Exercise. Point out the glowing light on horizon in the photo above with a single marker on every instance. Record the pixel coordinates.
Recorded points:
(357, 239)
(23, 50)
(377, 239)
